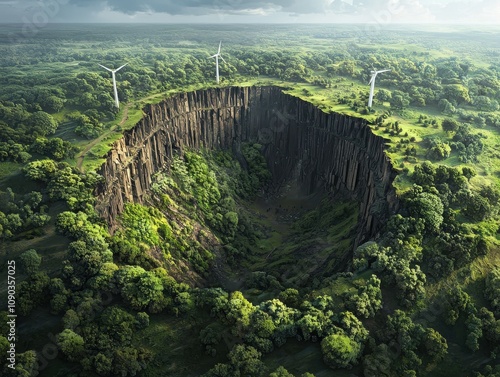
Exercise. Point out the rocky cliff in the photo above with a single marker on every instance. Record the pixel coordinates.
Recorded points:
(335, 151)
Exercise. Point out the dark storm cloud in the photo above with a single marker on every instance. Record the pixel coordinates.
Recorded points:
(200, 7)
(369, 11)
(207, 7)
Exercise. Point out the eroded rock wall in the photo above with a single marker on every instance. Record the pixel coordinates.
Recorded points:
(333, 150)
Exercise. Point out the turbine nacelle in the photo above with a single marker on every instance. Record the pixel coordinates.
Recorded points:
(113, 71)
(375, 73)
(372, 83)
(217, 56)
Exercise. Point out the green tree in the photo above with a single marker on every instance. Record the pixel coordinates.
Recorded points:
(42, 124)
(52, 104)
(477, 208)
(32, 292)
(347, 67)
(27, 364)
(212, 334)
(102, 364)
(128, 361)
(222, 370)
(384, 95)
(289, 296)
(490, 326)
(88, 259)
(436, 344)
(450, 125)
(368, 300)
(281, 372)
(425, 206)
(88, 127)
(439, 150)
(238, 312)
(457, 93)
(446, 107)
(378, 363)
(71, 344)
(30, 261)
(142, 320)
(400, 100)
(469, 172)
(492, 292)
(246, 360)
(340, 351)
(409, 335)
(353, 327)
(118, 323)
(71, 320)
(4, 345)
(231, 223)
(474, 332)
(140, 288)
(482, 102)
(41, 170)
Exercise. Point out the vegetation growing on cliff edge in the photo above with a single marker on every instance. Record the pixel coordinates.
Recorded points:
(437, 259)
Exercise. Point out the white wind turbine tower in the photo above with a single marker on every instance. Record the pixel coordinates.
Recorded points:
(113, 71)
(217, 56)
(372, 82)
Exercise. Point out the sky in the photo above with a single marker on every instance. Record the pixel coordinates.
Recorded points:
(41, 12)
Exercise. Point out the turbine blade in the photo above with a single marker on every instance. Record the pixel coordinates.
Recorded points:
(116, 70)
(106, 68)
(385, 70)
(220, 45)
(223, 59)
(372, 79)
(214, 56)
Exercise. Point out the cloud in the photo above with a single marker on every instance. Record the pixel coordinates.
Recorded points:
(471, 11)
(205, 7)
(371, 11)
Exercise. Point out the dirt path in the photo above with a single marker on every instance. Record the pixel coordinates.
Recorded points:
(83, 154)
(81, 157)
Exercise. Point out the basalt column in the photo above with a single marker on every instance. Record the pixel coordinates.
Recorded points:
(332, 150)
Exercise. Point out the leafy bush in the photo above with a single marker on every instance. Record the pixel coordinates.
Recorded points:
(340, 351)
(469, 145)
(492, 292)
(30, 261)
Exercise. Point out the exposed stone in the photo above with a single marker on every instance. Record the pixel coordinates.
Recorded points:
(334, 150)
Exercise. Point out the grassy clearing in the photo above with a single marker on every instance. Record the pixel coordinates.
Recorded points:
(179, 353)
(302, 243)
(19, 183)
(301, 357)
(8, 168)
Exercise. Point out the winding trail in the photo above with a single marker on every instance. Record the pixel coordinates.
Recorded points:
(93, 143)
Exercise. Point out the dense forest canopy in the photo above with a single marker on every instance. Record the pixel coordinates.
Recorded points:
(197, 272)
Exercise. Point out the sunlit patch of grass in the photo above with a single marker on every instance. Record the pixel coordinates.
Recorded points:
(175, 342)
(8, 167)
(301, 357)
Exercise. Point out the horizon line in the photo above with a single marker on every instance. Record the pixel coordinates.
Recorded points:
(266, 23)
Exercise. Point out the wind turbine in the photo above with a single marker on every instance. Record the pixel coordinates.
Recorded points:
(372, 82)
(217, 56)
(113, 71)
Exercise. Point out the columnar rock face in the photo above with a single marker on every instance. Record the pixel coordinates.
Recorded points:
(337, 152)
